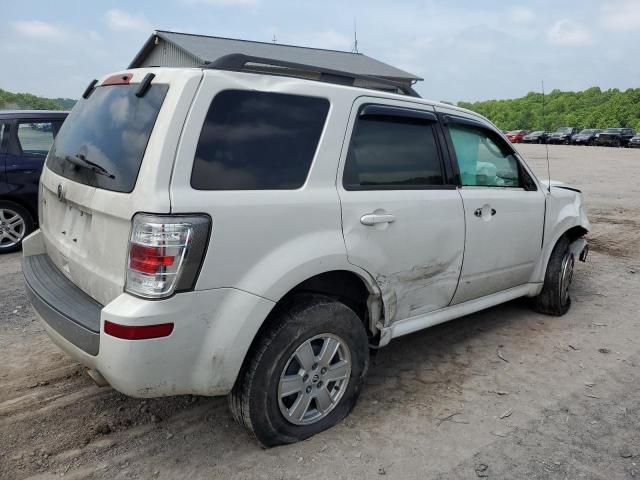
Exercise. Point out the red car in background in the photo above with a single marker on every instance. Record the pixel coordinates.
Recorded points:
(516, 136)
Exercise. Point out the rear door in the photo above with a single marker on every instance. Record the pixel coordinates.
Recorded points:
(402, 216)
(26, 154)
(504, 211)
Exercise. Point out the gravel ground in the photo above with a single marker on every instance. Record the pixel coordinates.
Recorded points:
(563, 404)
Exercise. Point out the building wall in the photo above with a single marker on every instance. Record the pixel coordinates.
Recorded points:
(168, 55)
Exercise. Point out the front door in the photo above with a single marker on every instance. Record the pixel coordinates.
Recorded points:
(504, 211)
(402, 217)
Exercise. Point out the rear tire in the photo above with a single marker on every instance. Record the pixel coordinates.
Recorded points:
(15, 224)
(554, 299)
(289, 358)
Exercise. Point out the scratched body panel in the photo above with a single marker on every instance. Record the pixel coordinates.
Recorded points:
(416, 260)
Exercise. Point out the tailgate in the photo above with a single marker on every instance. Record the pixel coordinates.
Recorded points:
(86, 234)
(111, 159)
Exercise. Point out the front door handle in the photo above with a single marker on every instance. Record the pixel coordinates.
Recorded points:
(478, 212)
(372, 219)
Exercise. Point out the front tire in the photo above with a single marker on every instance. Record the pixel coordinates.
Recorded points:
(555, 299)
(15, 224)
(304, 374)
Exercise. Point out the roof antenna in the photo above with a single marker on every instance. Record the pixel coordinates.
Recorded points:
(274, 39)
(546, 143)
(355, 37)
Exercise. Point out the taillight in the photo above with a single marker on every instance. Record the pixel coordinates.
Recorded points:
(165, 253)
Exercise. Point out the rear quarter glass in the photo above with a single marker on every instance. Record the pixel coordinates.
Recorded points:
(110, 129)
(258, 141)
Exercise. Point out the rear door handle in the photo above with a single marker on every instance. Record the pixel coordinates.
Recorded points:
(371, 219)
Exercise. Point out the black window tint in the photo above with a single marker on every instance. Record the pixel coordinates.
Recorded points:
(103, 140)
(392, 153)
(258, 141)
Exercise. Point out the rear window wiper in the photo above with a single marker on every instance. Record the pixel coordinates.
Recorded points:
(81, 161)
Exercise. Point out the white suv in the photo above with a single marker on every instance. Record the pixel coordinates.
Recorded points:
(218, 231)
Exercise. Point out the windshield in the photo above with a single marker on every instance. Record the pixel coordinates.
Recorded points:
(103, 140)
(564, 130)
(536, 133)
(587, 131)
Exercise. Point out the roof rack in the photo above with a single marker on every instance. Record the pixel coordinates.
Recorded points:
(237, 62)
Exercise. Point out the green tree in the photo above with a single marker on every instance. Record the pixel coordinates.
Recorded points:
(591, 108)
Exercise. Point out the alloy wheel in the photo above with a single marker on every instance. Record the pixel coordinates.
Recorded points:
(314, 379)
(12, 228)
(566, 276)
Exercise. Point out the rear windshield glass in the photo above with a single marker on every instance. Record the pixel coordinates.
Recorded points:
(103, 140)
(258, 141)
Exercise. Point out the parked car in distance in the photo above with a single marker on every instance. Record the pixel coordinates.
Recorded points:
(634, 142)
(585, 137)
(615, 137)
(539, 136)
(516, 136)
(255, 241)
(562, 135)
(25, 139)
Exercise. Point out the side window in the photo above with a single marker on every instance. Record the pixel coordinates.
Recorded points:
(391, 152)
(258, 141)
(36, 138)
(482, 159)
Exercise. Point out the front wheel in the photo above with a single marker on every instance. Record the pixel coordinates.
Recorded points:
(554, 299)
(305, 373)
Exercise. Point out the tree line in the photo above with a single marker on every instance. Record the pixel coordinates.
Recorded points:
(592, 108)
(27, 101)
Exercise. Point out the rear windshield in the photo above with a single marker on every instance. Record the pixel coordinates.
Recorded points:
(258, 141)
(103, 140)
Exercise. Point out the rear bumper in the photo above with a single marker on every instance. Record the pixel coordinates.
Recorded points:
(63, 306)
(213, 330)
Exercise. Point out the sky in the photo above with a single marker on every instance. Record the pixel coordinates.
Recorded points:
(465, 50)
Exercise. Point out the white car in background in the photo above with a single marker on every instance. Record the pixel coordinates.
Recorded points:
(218, 231)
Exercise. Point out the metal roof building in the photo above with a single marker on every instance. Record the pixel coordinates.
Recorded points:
(173, 49)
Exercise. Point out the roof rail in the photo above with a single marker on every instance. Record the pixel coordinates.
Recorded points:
(237, 62)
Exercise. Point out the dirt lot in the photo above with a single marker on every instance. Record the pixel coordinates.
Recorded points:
(564, 403)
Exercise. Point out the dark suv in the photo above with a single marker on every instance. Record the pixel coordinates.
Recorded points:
(615, 137)
(563, 135)
(25, 138)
